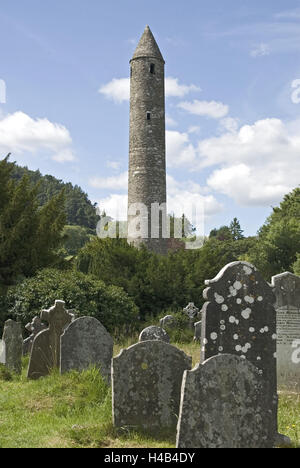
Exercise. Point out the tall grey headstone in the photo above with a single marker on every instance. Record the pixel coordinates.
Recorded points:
(154, 333)
(84, 343)
(34, 327)
(45, 353)
(12, 336)
(239, 318)
(287, 292)
(223, 405)
(146, 385)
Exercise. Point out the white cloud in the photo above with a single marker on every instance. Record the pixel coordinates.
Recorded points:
(118, 89)
(173, 88)
(213, 109)
(20, 133)
(115, 165)
(230, 124)
(259, 163)
(261, 50)
(179, 149)
(119, 182)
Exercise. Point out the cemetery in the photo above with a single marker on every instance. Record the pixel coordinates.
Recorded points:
(224, 392)
(154, 326)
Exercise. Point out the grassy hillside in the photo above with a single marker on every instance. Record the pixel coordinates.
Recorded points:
(74, 410)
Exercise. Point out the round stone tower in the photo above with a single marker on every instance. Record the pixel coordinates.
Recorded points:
(147, 153)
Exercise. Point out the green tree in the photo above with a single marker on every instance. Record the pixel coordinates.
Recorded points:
(279, 238)
(29, 236)
(236, 230)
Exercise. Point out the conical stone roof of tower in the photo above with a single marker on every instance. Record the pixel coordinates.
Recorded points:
(147, 47)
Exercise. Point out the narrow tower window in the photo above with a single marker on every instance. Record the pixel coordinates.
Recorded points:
(152, 68)
(148, 115)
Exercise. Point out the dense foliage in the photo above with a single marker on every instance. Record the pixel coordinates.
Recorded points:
(29, 235)
(83, 293)
(79, 209)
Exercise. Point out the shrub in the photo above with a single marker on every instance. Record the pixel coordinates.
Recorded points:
(83, 293)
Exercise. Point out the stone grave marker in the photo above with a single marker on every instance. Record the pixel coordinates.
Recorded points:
(198, 328)
(2, 352)
(192, 313)
(223, 405)
(84, 343)
(167, 321)
(154, 333)
(287, 292)
(12, 336)
(34, 327)
(45, 353)
(146, 385)
(239, 318)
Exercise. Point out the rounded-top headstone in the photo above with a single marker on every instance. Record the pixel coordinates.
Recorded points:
(154, 333)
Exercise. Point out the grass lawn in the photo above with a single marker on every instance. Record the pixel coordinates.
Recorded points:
(74, 410)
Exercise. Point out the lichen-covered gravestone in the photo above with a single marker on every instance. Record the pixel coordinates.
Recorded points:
(198, 328)
(12, 336)
(239, 318)
(86, 343)
(223, 405)
(45, 353)
(34, 327)
(287, 292)
(146, 385)
(154, 333)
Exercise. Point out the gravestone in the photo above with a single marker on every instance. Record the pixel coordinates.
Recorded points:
(239, 318)
(198, 328)
(2, 352)
(287, 292)
(146, 385)
(192, 313)
(223, 405)
(12, 336)
(167, 321)
(45, 353)
(34, 327)
(154, 333)
(84, 343)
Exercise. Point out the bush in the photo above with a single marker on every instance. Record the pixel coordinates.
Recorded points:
(83, 293)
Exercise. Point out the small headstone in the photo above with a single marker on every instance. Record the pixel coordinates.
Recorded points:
(2, 352)
(86, 343)
(45, 353)
(287, 292)
(167, 322)
(223, 405)
(239, 318)
(198, 327)
(191, 311)
(12, 336)
(154, 333)
(146, 385)
(34, 327)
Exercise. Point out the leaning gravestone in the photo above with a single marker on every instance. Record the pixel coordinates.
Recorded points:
(12, 336)
(84, 343)
(146, 385)
(154, 333)
(223, 405)
(239, 318)
(287, 292)
(167, 321)
(45, 353)
(34, 327)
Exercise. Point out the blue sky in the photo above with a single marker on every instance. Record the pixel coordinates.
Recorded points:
(232, 104)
